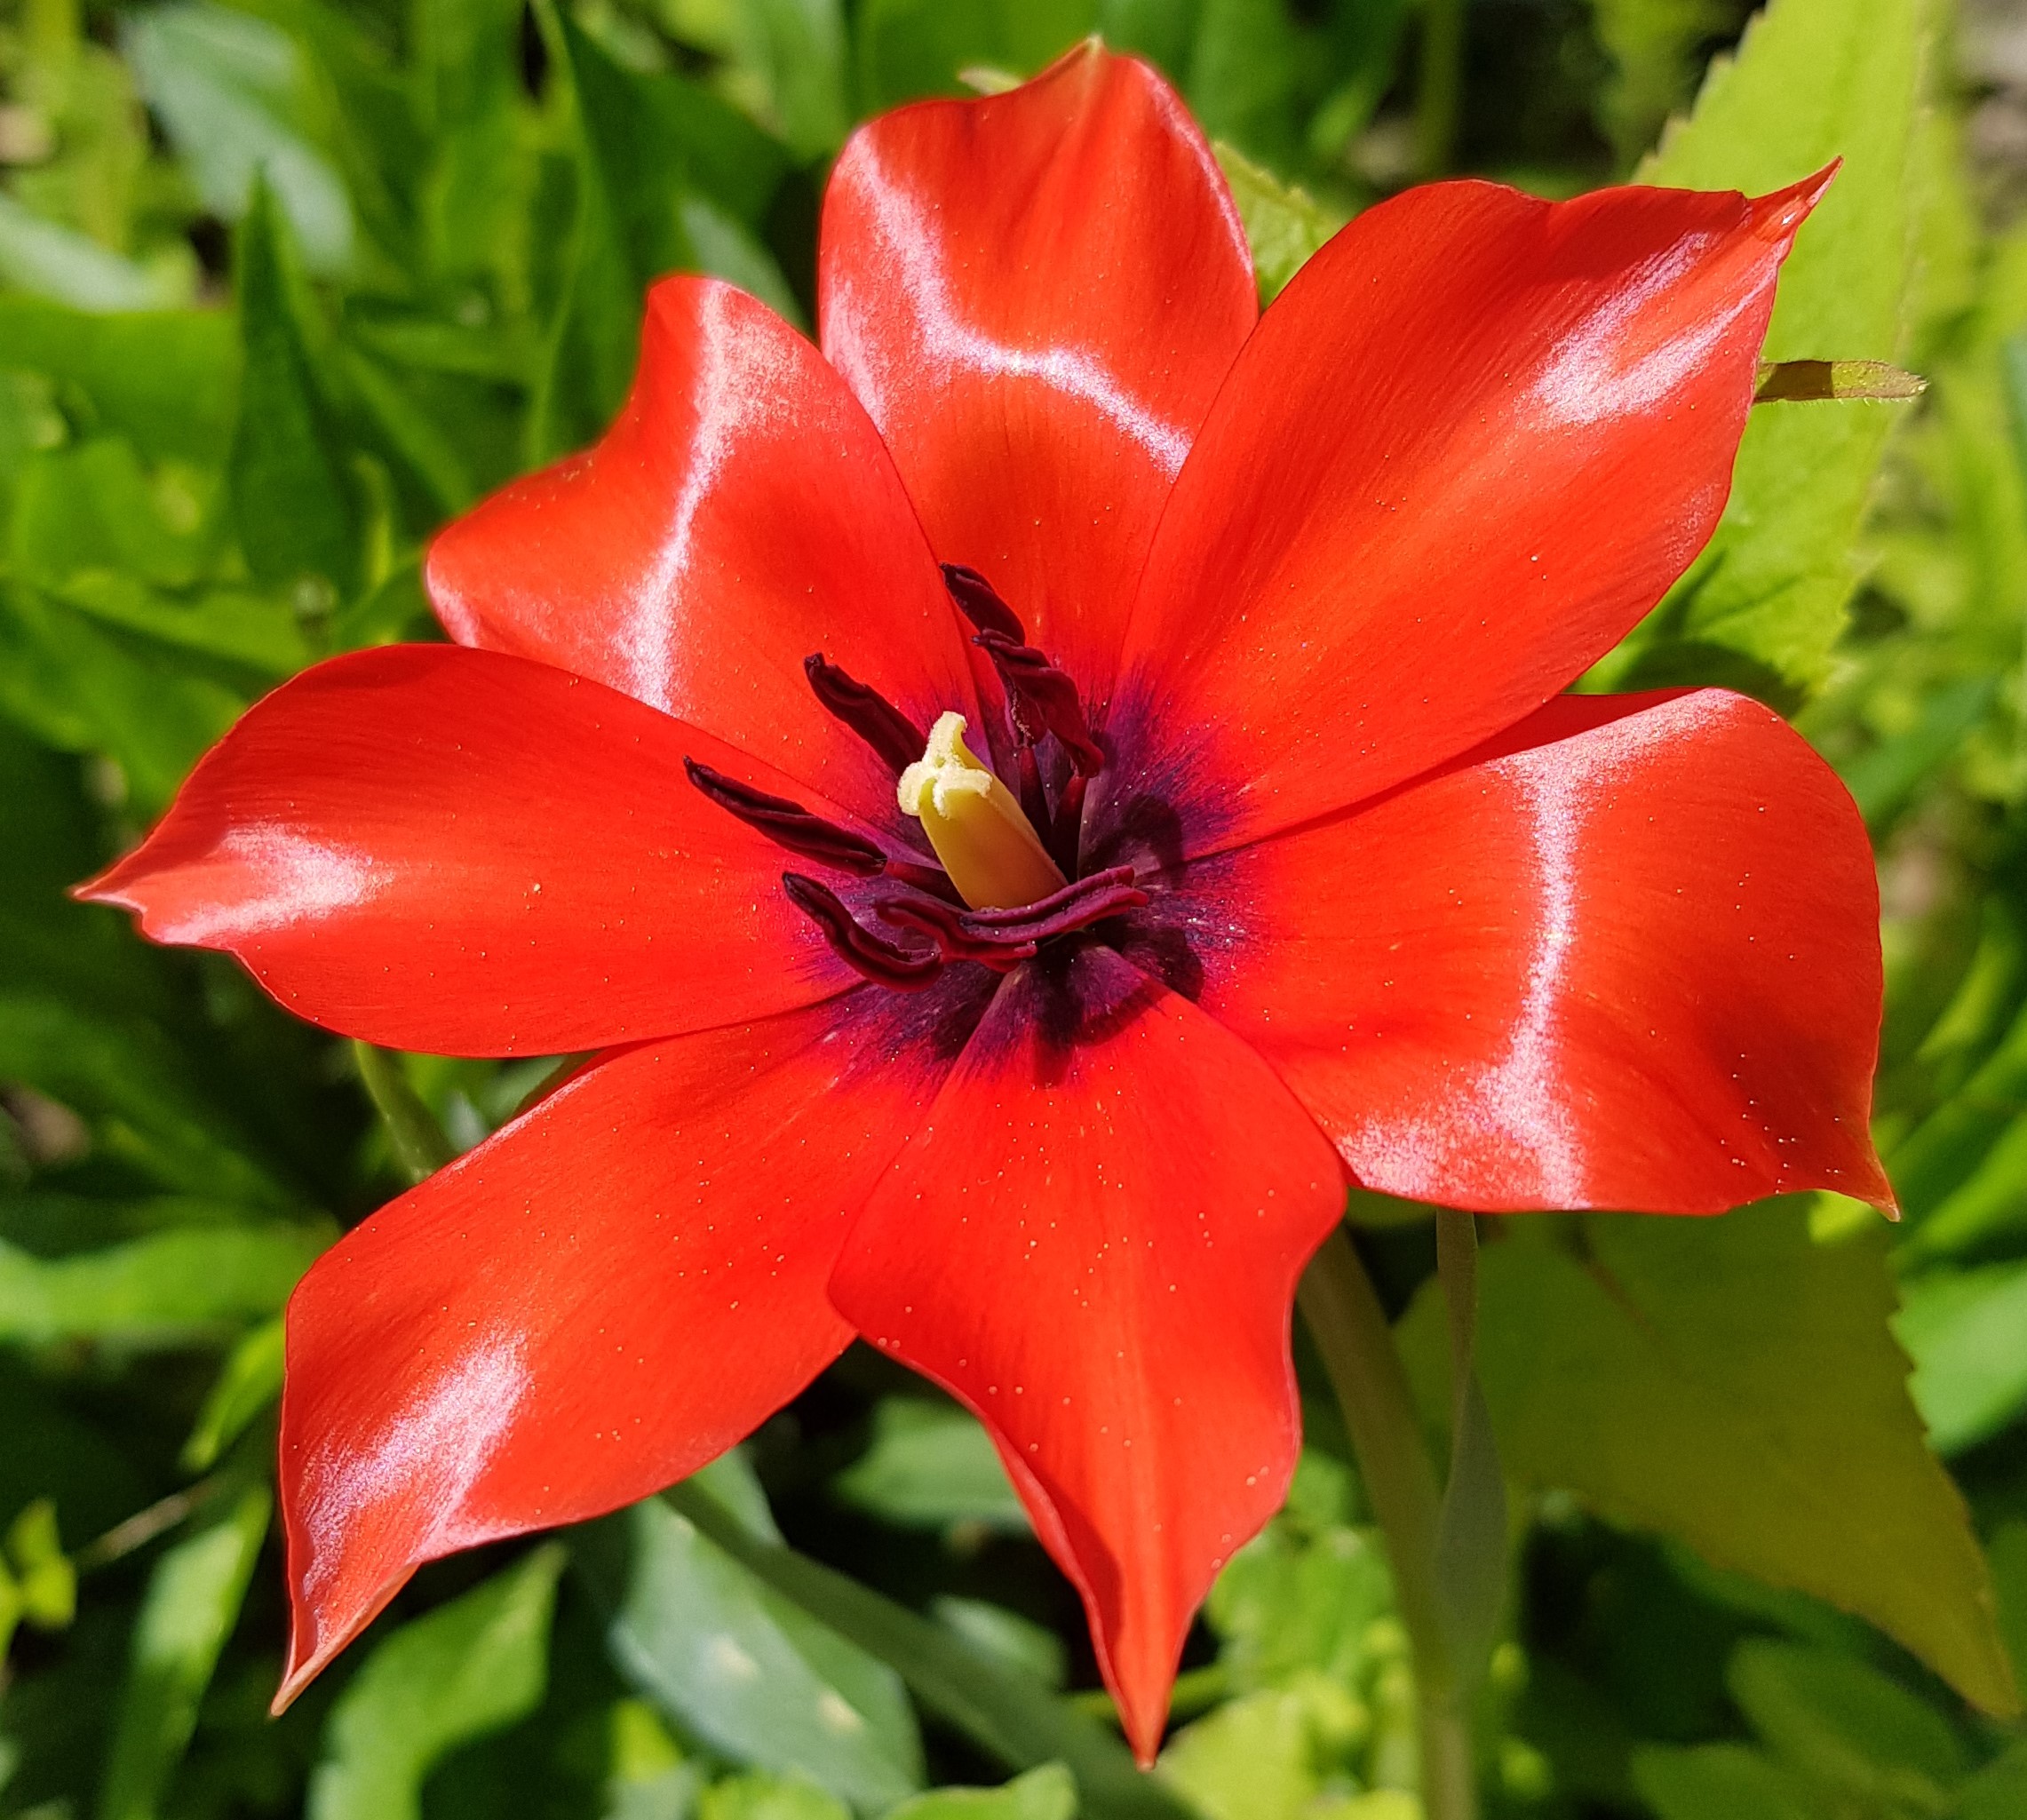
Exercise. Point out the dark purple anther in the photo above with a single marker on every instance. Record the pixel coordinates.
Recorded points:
(1043, 698)
(790, 823)
(867, 713)
(979, 600)
(1002, 937)
(883, 961)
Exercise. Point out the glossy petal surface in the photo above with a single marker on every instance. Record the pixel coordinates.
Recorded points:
(1627, 959)
(1094, 1242)
(594, 1302)
(739, 515)
(474, 855)
(1037, 296)
(1470, 446)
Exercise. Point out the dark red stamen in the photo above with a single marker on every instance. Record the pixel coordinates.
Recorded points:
(1002, 937)
(867, 713)
(882, 960)
(979, 600)
(790, 823)
(1042, 698)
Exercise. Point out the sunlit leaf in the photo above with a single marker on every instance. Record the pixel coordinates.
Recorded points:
(156, 1292)
(297, 502)
(247, 1382)
(50, 261)
(465, 1669)
(192, 1601)
(1963, 1329)
(1283, 224)
(1814, 80)
(1733, 1384)
(1047, 1793)
(1014, 1719)
(735, 1663)
(231, 90)
(930, 1465)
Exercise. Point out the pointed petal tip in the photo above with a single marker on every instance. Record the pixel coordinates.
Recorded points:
(1779, 214)
(1144, 1722)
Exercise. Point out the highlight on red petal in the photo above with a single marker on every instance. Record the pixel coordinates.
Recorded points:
(1037, 296)
(1626, 957)
(596, 1301)
(1471, 445)
(474, 854)
(740, 515)
(1093, 1242)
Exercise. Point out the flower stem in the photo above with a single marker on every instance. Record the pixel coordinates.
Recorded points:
(1441, 82)
(418, 1139)
(1350, 1328)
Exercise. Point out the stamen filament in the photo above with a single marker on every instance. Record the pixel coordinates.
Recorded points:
(866, 711)
(789, 824)
(884, 962)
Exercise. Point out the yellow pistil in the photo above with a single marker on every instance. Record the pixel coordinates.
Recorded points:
(988, 846)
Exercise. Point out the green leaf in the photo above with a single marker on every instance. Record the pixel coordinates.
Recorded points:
(1998, 1791)
(44, 1579)
(2010, 1576)
(1259, 1757)
(647, 145)
(1004, 1713)
(297, 502)
(168, 379)
(49, 260)
(1844, 1725)
(132, 1086)
(769, 1798)
(1812, 80)
(1657, 48)
(1946, 1150)
(908, 48)
(91, 508)
(1709, 1780)
(1963, 1328)
(160, 1291)
(247, 1382)
(749, 1672)
(1004, 1636)
(192, 1601)
(468, 1668)
(930, 1465)
(788, 65)
(1297, 1600)
(232, 91)
(1245, 65)
(1047, 1793)
(81, 686)
(1283, 224)
(256, 633)
(1730, 1383)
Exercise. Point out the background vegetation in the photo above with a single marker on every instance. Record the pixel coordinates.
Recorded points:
(284, 283)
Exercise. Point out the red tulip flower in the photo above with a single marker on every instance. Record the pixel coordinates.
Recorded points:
(1027, 800)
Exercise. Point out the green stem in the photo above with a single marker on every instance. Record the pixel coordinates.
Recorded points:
(1441, 91)
(1350, 1328)
(418, 1140)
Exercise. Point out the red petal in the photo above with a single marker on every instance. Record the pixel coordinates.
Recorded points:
(1094, 1242)
(471, 853)
(1469, 447)
(1037, 296)
(594, 1302)
(1629, 957)
(739, 515)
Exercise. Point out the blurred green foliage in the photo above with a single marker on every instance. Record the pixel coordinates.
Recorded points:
(285, 283)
